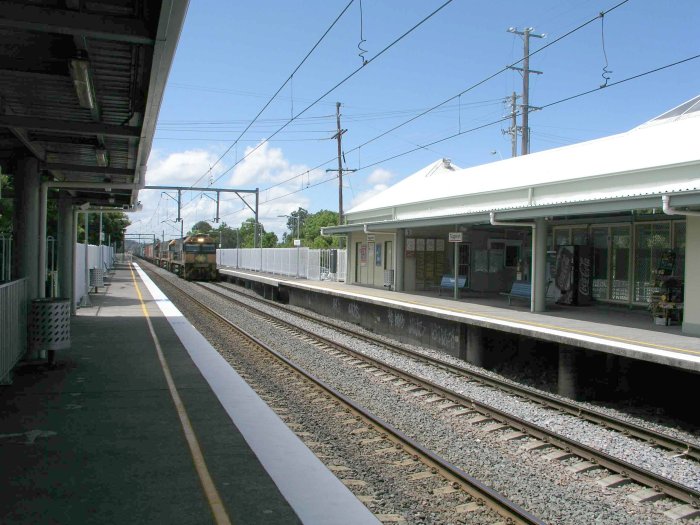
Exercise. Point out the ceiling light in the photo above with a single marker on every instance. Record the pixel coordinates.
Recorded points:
(80, 73)
(102, 157)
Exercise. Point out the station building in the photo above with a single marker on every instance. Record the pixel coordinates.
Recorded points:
(613, 220)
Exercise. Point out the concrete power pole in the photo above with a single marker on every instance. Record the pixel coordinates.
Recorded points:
(339, 136)
(513, 131)
(525, 70)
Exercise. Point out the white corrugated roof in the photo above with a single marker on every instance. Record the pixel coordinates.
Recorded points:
(588, 171)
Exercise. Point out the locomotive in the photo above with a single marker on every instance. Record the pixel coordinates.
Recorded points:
(192, 258)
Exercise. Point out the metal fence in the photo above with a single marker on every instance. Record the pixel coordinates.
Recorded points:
(5, 257)
(101, 257)
(315, 265)
(13, 325)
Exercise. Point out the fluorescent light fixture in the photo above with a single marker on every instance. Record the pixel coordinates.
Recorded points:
(102, 157)
(80, 73)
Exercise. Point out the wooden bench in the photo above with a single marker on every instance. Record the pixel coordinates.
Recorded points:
(448, 283)
(519, 290)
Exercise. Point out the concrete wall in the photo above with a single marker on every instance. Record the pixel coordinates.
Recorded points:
(399, 324)
(691, 294)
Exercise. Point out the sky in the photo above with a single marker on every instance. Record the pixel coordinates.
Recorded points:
(233, 56)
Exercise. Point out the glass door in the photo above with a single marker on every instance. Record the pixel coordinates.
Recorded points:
(611, 262)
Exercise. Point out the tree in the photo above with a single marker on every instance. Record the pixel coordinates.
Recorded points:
(246, 235)
(228, 237)
(201, 227)
(311, 232)
(269, 240)
(301, 214)
(114, 225)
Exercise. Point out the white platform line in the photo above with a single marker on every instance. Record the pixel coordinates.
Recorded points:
(315, 494)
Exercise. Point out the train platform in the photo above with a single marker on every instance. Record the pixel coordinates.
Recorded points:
(612, 330)
(142, 421)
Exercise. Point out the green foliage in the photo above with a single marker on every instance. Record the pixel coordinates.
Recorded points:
(6, 204)
(201, 227)
(114, 225)
(310, 228)
(269, 240)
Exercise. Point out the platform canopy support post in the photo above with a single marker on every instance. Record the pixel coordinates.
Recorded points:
(568, 380)
(475, 346)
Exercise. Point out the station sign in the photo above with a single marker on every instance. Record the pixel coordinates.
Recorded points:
(370, 237)
(455, 237)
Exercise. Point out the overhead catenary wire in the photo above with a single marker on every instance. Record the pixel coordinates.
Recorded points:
(341, 82)
(446, 101)
(289, 78)
(482, 126)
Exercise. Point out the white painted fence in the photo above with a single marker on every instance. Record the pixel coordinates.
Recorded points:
(13, 325)
(305, 263)
(98, 257)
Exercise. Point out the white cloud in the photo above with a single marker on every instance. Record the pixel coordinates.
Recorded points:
(363, 196)
(182, 168)
(379, 176)
(267, 166)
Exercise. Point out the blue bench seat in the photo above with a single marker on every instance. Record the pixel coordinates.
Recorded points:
(448, 283)
(519, 290)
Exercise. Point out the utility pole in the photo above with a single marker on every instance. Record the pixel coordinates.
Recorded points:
(525, 70)
(513, 130)
(339, 136)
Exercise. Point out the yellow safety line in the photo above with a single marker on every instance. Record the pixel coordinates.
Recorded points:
(215, 503)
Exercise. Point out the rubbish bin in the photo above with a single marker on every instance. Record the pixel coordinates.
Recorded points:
(389, 279)
(333, 266)
(49, 325)
(97, 278)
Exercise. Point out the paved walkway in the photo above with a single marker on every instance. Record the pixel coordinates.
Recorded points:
(98, 439)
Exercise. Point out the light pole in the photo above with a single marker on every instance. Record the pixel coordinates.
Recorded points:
(298, 239)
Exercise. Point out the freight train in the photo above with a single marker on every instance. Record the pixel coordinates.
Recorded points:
(192, 258)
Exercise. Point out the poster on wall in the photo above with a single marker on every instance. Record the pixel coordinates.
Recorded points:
(363, 255)
(420, 245)
(410, 247)
(430, 245)
(440, 245)
(378, 255)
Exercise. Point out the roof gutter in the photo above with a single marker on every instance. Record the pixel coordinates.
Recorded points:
(670, 210)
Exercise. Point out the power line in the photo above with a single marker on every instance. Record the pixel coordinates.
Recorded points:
(476, 128)
(486, 79)
(276, 93)
(336, 86)
(433, 108)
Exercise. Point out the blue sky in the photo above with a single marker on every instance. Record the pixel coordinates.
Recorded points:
(233, 56)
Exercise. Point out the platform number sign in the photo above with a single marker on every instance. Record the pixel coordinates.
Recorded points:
(455, 237)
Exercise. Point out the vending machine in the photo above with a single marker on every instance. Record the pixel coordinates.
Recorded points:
(573, 274)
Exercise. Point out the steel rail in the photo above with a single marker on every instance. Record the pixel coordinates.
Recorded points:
(633, 472)
(475, 488)
(653, 437)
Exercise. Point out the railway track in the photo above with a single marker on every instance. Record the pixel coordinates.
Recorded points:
(659, 439)
(494, 419)
(376, 437)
